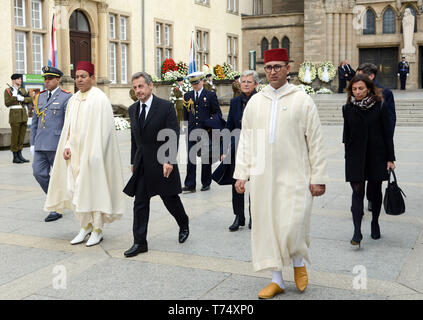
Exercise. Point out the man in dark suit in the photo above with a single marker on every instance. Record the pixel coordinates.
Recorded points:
(153, 161)
(201, 106)
(350, 71)
(403, 71)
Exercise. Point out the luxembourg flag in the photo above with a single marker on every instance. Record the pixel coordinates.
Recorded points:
(52, 55)
(192, 67)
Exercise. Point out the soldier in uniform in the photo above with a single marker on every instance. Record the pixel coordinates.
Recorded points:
(133, 95)
(236, 87)
(208, 84)
(16, 98)
(201, 106)
(403, 71)
(178, 92)
(47, 123)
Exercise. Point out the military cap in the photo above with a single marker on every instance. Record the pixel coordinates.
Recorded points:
(237, 77)
(51, 72)
(16, 76)
(179, 79)
(195, 77)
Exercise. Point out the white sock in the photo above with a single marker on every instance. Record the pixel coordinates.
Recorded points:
(298, 261)
(277, 278)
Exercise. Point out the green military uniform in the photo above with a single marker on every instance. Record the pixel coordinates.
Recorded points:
(236, 88)
(209, 87)
(18, 117)
(179, 104)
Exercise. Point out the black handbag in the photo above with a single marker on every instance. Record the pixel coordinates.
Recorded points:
(393, 202)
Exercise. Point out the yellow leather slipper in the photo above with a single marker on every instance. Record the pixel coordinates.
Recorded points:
(301, 278)
(270, 291)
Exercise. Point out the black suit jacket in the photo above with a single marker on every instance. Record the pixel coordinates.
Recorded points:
(145, 145)
(206, 107)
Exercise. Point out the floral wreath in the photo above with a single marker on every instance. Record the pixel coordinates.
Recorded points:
(307, 78)
(331, 71)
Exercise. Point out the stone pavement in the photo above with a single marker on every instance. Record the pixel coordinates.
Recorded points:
(37, 261)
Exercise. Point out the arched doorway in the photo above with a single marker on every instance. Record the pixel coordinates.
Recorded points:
(80, 39)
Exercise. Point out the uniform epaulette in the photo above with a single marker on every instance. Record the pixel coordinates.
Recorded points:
(66, 91)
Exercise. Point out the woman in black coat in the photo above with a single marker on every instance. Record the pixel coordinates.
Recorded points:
(369, 149)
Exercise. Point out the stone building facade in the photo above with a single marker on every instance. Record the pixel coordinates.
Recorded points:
(335, 30)
(120, 37)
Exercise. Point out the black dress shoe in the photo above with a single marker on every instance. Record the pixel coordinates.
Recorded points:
(249, 224)
(53, 216)
(237, 223)
(188, 190)
(136, 249)
(20, 156)
(183, 235)
(205, 188)
(369, 206)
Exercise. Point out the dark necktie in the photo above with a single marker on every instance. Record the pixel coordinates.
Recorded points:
(142, 116)
(196, 97)
(49, 96)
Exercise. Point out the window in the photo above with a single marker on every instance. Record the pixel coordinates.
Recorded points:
(257, 7)
(164, 43)
(232, 6)
(123, 28)
(203, 46)
(36, 14)
(37, 53)
(112, 57)
(124, 63)
(275, 43)
(118, 48)
(286, 45)
(20, 52)
(232, 57)
(389, 21)
(112, 26)
(369, 22)
(29, 35)
(264, 46)
(19, 10)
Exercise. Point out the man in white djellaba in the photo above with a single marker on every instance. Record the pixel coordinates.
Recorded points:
(281, 152)
(87, 175)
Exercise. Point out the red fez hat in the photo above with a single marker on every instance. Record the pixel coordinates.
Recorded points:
(86, 66)
(280, 54)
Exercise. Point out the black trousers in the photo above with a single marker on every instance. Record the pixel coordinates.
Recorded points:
(403, 79)
(342, 85)
(357, 206)
(142, 211)
(238, 203)
(190, 179)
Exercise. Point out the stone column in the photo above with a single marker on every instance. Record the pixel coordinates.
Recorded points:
(350, 41)
(329, 31)
(343, 37)
(62, 10)
(336, 27)
(102, 61)
(314, 30)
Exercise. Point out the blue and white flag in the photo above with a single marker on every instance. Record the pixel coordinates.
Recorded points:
(192, 66)
(52, 55)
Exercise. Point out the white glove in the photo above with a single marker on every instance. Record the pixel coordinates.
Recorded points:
(407, 74)
(14, 92)
(32, 150)
(20, 98)
(398, 74)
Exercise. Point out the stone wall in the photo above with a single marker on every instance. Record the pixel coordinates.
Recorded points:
(287, 6)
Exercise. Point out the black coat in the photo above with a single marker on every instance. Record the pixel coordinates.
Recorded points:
(206, 107)
(368, 143)
(145, 147)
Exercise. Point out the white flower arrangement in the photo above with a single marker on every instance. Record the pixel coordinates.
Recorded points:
(172, 75)
(121, 124)
(155, 78)
(232, 75)
(324, 91)
(307, 72)
(307, 89)
(326, 71)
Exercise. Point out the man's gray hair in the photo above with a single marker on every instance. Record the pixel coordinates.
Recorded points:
(253, 73)
(144, 75)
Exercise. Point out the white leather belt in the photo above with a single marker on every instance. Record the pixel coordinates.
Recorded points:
(180, 99)
(15, 107)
